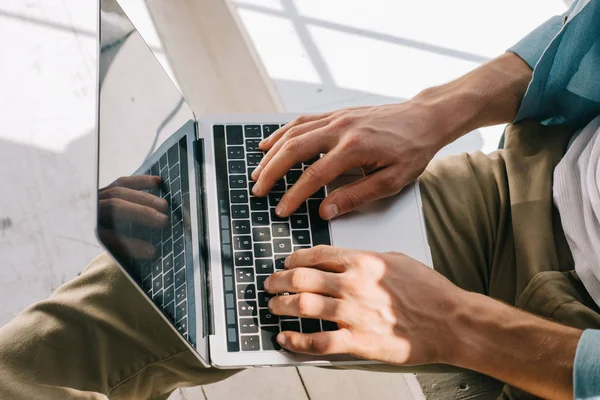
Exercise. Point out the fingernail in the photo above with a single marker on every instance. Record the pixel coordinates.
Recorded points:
(330, 211)
(281, 339)
(280, 209)
(266, 284)
(256, 188)
(286, 263)
(256, 172)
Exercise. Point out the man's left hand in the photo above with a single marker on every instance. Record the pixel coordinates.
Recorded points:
(389, 307)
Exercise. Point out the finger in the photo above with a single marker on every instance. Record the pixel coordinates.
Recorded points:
(114, 210)
(303, 280)
(325, 258)
(310, 305)
(314, 177)
(383, 183)
(321, 343)
(125, 246)
(137, 182)
(267, 143)
(134, 196)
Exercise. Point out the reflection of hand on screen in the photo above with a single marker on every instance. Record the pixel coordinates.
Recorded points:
(128, 213)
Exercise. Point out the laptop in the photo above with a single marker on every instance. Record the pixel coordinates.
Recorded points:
(208, 262)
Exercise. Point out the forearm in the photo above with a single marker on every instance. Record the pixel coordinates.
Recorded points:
(515, 347)
(488, 95)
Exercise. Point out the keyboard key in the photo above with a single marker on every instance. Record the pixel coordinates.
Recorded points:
(234, 134)
(176, 200)
(250, 343)
(247, 308)
(242, 243)
(178, 246)
(168, 263)
(263, 266)
(237, 181)
(170, 311)
(179, 262)
(261, 234)
(155, 169)
(243, 259)
(178, 231)
(180, 278)
(168, 278)
(239, 211)
(296, 248)
(329, 325)
(236, 167)
(248, 325)
(174, 172)
(299, 221)
(235, 152)
(239, 196)
(173, 155)
(182, 326)
(250, 171)
(319, 228)
(157, 284)
(252, 131)
(290, 326)
(263, 250)
(180, 311)
(163, 161)
(260, 218)
(259, 204)
(266, 318)
(246, 292)
(293, 176)
(277, 218)
(319, 194)
(177, 215)
(175, 185)
(310, 325)
(180, 294)
(263, 299)
(241, 227)
(302, 209)
(281, 230)
(244, 275)
(253, 159)
(301, 237)
(297, 166)
(279, 186)
(280, 261)
(275, 198)
(231, 317)
(268, 130)
(252, 145)
(260, 281)
(282, 245)
(168, 294)
(269, 335)
(167, 247)
(157, 298)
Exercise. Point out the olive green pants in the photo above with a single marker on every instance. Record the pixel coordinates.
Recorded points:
(492, 229)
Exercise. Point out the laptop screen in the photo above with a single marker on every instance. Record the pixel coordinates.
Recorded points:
(145, 133)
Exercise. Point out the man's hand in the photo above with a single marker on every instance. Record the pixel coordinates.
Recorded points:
(123, 204)
(392, 144)
(388, 307)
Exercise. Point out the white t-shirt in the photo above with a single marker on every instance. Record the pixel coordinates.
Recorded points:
(577, 196)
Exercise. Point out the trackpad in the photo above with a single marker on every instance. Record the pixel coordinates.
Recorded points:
(392, 224)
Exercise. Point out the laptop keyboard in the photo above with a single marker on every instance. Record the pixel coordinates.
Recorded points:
(255, 241)
(165, 278)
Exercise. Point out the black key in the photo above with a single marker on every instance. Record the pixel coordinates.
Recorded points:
(155, 236)
(259, 204)
(157, 298)
(180, 311)
(237, 181)
(239, 196)
(155, 170)
(253, 159)
(319, 194)
(269, 129)
(178, 231)
(310, 325)
(166, 233)
(156, 268)
(312, 160)
(329, 325)
(252, 145)
(261, 234)
(297, 166)
(302, 209)
(163, 161)
(293, 176)
(246, 292)
(248, 325)
(179, 262)
(252, 131)
(250, 343)
(242, 243)
(247, 308)
(251, 185)
(263, 299)
(296, 248)
(280, 261)
(299, 221)
(263, 250)
(244, 275)
(275, 198)
(290, 326)
(279, 186)
(281, 230)
(176, 185)
(157, 283)
(170, 311)
(301, 237)
(180, 294)
(147, 269)
(277, 218)
(168, 294)
(234, 134)
(182, 326)
(318, 227)
(177, 215)
(239, 211)
(269, 335)
(174, 173)
(263, 266)
(260, 218)
(235, 152)
(243, 259)
(168, 278)
(167, 246)
(178, 246)
(240, 227)
(236, 167)
(266, 318)
(260, 281)
(164, 179)
(173, 155)
(250, 171)
(176, 200)
(282, 245)
(179, 278)
(168, 262)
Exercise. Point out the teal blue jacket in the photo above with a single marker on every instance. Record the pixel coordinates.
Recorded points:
(564, 53)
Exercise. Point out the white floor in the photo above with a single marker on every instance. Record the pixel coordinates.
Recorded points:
(322, 55)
